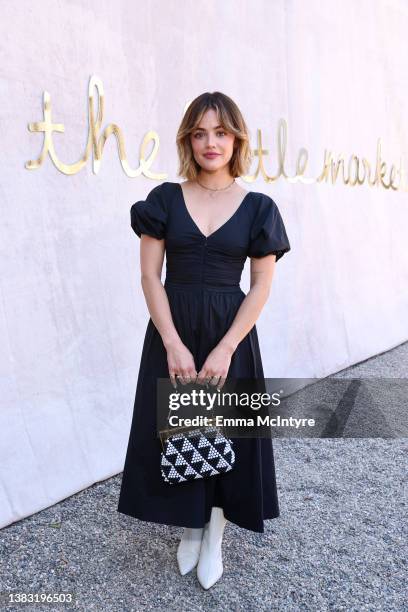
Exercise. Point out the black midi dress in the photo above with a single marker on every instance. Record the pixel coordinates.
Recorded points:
(203, 288)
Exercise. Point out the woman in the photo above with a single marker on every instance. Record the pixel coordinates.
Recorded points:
(202, 327)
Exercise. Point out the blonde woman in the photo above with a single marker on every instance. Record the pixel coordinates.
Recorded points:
(202, 327)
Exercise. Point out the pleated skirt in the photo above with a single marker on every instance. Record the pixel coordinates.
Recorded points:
(248, 493)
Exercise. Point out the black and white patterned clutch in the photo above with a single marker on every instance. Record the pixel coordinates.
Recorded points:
(197, 453)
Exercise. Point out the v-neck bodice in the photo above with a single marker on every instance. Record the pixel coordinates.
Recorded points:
(242, 203)
(255, 229)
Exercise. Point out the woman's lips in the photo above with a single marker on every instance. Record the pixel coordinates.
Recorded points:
(211, 155)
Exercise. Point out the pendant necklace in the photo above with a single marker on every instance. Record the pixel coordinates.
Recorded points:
(212, 192)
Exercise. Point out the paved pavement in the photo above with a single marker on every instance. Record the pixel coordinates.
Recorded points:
(340, 543)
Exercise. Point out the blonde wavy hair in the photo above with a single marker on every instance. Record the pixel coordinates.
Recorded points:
(230, 117)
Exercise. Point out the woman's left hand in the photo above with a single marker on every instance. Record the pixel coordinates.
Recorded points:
(215, 367)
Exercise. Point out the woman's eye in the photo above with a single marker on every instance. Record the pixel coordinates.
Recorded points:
(199, 134)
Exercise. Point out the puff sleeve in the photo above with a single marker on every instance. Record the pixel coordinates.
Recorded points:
(268, 235)
(150, 216)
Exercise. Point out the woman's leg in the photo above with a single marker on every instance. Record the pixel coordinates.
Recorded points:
(188, 550)
(210, 567)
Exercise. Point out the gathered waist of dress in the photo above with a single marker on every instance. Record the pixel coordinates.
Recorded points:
(199, 286)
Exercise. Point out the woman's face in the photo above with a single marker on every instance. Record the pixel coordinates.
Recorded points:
(210, 137)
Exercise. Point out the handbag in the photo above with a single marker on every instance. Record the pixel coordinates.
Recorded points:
(189, 454)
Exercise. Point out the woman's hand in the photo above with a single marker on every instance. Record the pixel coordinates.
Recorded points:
(181, 364)
(215, 367)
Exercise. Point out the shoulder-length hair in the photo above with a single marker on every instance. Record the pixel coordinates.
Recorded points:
(230, 117)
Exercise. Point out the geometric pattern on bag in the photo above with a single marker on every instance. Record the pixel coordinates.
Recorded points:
(198, 453)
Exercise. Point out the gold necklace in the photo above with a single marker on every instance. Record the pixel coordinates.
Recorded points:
(213, 191)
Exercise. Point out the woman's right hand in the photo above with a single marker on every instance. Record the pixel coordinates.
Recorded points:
(180, 362)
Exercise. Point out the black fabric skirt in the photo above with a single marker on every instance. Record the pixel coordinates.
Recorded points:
(248, 493)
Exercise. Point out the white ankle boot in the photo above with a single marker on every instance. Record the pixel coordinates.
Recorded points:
(188, 550)
(210, 567)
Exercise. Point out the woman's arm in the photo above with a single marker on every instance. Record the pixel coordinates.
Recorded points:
(180, 360)
(262, 270)
(151, 263)
(219, 359)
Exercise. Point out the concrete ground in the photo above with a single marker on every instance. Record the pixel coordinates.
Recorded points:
(340, 543)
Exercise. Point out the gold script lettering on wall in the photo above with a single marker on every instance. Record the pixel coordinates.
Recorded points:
(94, 143)
(358, 170)
(351, 177)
